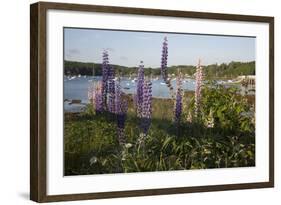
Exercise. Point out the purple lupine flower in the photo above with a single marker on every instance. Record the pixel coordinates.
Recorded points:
(198, 87)
(178, 103)
(139, 95)
(111, 90)
(164, 59)
(105, 68)
(164, 68)
(121, 108)
(97, 97)
(118, 99)
(121, 119)
(146, 110)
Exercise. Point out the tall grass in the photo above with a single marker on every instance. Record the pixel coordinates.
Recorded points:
(91, 145)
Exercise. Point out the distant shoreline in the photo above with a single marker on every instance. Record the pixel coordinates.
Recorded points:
(227, 71)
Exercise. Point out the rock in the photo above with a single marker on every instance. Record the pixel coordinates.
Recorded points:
(75, 101)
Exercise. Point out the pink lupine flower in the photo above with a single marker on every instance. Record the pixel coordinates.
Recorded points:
(97, 97)
(198, 87)
(90, 92)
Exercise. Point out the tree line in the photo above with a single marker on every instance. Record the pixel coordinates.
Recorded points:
(227, 70)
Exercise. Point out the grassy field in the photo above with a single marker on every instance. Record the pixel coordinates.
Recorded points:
(91, 144)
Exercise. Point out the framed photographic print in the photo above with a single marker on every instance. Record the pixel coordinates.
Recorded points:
(135, 102)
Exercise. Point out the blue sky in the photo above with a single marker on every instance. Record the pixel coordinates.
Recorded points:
(129, 48)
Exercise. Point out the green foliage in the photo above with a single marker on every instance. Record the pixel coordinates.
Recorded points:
(91, 145)
(231, 111)
(91, 148)
(233, 69)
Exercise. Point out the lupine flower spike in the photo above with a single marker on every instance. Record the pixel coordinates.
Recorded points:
(164, 68)
(146, 107)
(111, 90)
(164, 59)
(178, 101)
(198, 87)
(97, 97)
(105, 72)
(121, 108)
(139, 95)
(90, 92)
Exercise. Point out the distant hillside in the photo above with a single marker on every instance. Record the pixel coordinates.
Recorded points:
(232, 69)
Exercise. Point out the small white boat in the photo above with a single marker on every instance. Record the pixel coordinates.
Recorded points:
(72, 78)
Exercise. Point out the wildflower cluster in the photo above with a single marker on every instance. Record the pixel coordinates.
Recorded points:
(95, 96)
(143, 100)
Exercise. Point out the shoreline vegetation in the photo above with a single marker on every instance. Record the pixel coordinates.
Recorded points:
(210, 127)
(213, 71)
